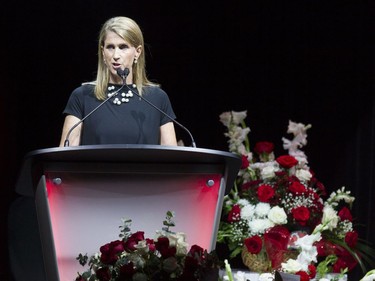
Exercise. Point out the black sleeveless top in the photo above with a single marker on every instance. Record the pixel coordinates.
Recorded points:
(133, 121)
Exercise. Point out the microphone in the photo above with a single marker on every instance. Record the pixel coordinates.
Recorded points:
(122, 73)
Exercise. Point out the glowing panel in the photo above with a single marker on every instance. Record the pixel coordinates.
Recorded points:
(86, 210)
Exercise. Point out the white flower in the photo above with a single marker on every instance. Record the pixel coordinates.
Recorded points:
(259, 226)
(262, 209)
(178, 240)
(266, 277)
(303, 175)
(236, 138)
(306, 242)
(247, 212)
(142, 246)
(277, 215)
(243, 202)
(306, 257)
(302, 160)
(238, 116)
(330, 218)
(339, 195)
(268, 172)
(298, 129)
(225, 118)
(308, 252)
(299, 140)
(262, 165)
(242, 150)
(291, 266)
(235, 117)
(249, 155)
(370, 276)
(240, 276)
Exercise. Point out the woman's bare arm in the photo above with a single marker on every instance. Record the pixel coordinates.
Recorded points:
(75, 136)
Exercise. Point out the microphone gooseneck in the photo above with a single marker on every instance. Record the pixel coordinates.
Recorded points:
(122, 73)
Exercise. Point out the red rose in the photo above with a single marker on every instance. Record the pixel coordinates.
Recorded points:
(339, 265)
(196, 251)
(265, 193)
(346, 259)
(110, 251)
(301, 214)
(162, 245)
(133, 240)
(103, 274)
(297, 187)
(191, 265)
(322, 189)
(263, 147)
(325, 248)
(303, 276)
(286, 161)
(127, 271)
(250, 185)
(254, 244)
(151, 244)
(312, 271)
(351, 238)
(234, 214)
(345, 214)
(245, 162)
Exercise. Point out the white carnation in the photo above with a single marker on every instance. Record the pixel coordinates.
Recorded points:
(262, 209)
(259, 226)
(247, 212)
(243, 202)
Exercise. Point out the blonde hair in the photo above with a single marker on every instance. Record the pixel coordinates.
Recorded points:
(128, 30)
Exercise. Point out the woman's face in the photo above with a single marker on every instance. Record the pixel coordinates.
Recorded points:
(118, 53)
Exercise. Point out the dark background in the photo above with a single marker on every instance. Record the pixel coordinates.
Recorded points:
(308, 61)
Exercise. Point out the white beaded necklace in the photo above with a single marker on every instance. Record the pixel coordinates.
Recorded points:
(124, 95)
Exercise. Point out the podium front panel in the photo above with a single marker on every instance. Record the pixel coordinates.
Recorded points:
(85, 207)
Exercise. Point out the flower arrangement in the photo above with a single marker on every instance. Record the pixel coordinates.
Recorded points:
(134, 257)
(278, 215)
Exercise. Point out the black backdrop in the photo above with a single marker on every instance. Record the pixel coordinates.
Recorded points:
(309, 61)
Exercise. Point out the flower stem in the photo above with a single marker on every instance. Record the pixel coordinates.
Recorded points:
(228, 270)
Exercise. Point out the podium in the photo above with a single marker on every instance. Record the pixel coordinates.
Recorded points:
(82, 193)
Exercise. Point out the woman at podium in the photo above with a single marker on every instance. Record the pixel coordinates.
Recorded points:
(121, 106)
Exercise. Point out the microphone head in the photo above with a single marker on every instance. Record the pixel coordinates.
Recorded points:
(122, 73)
